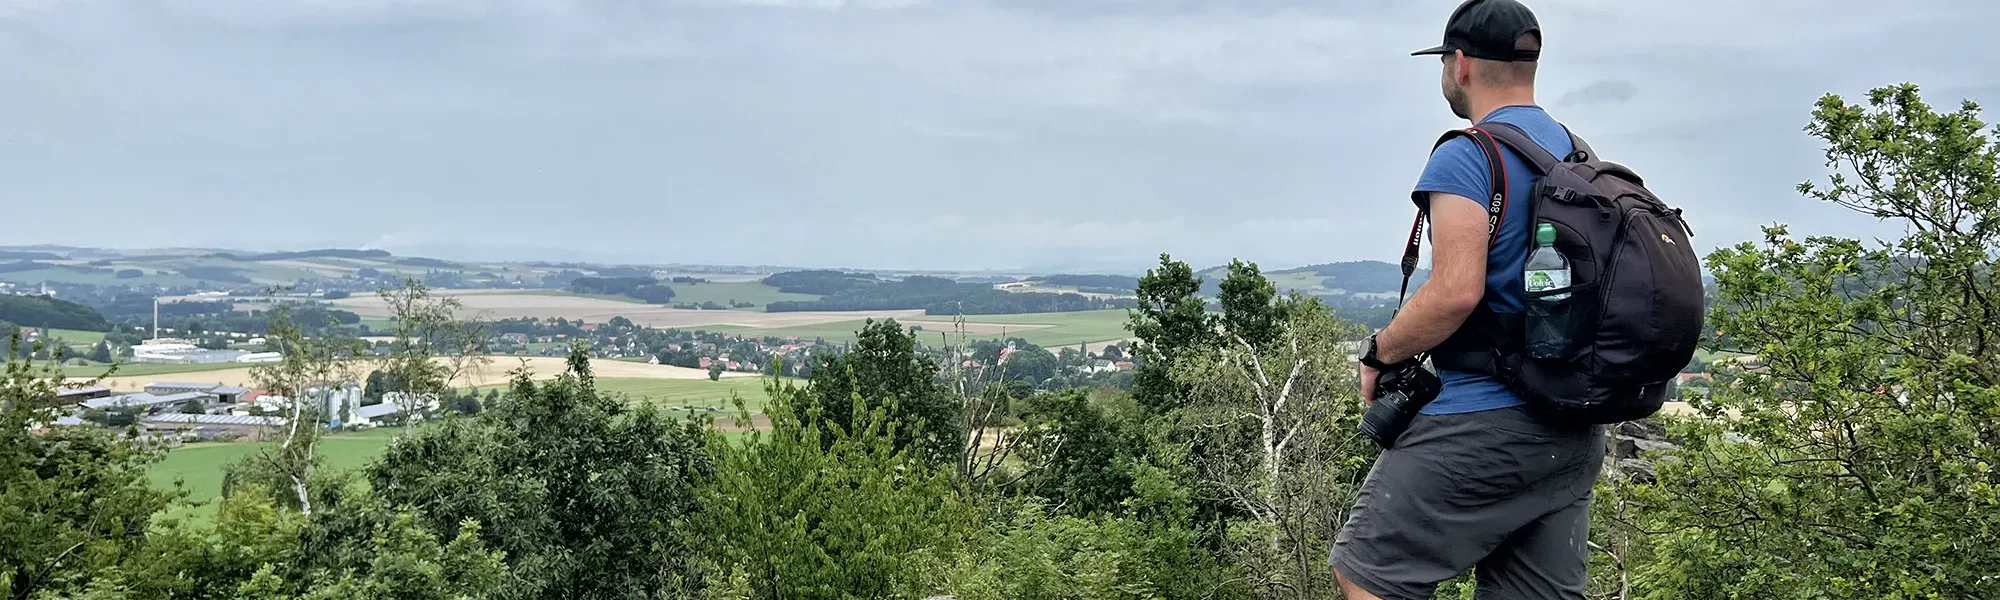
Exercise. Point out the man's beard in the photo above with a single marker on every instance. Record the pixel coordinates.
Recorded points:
(1455, 96)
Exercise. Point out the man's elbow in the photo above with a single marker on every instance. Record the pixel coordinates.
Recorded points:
(1459, 303)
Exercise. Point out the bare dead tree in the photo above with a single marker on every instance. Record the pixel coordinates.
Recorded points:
(1293, 402)
(309, 371)
(986, 407)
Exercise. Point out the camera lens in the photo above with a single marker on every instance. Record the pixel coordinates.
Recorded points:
(1387, 418)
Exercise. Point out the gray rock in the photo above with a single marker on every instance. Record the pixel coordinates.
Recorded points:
(1638, 471)
(1645, 446)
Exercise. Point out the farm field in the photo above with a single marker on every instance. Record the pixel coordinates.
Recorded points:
(689, 393)
(725, 293)
(199, 465)
(494, 373)
(498, 304)
(378, 324)
(134, 370)
(1050, 330)
(77, 337)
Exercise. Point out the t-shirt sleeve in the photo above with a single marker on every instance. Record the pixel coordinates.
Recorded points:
(1457, 167)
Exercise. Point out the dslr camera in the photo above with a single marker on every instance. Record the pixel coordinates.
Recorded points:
(1402, 390)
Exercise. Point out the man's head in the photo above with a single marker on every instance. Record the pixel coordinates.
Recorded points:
(1490, 49)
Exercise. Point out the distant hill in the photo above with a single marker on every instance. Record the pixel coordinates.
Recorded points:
(1362, 276)
(43, 311)
(1331, 280)
(324, 253)
(1096, 284)
(418, 261)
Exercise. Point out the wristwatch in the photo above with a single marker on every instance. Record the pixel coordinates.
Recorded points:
(1368, 356)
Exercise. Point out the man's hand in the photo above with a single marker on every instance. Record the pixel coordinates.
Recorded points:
(1368, 377)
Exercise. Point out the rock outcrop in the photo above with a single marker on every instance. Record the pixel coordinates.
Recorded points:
(1629, 446)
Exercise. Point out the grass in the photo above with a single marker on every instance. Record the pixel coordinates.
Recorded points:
(147, 369)
(77, 337)
(199, 466)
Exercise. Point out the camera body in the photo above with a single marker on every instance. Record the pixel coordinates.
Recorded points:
(1401, 391)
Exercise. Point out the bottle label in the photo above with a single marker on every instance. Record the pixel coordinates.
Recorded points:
(1548, 280)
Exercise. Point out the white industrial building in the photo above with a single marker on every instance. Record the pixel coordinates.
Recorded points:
(181, 354)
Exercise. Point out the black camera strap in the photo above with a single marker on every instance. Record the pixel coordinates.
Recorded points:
(1496, 204)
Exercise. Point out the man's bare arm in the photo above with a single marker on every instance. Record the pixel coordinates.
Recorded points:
(1456, 287)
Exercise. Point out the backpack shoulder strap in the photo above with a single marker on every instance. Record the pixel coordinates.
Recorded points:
(1517, 139)
(1496, 201)
(1496, 197)
(1582, 152)
(1538, 157)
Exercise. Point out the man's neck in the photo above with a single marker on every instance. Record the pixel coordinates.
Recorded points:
(1483, 107)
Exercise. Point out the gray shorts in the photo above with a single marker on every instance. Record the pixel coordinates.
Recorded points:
(1497, 489)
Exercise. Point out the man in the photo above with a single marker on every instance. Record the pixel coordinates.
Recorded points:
(1475, 481)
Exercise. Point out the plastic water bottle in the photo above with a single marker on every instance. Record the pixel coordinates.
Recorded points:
(1548, 269)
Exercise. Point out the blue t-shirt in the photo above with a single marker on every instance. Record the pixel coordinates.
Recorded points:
(1458, 167)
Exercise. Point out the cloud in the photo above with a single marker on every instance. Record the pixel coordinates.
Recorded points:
(1603, 91)
(894, 133)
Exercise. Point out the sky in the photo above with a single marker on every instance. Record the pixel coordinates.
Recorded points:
(1070, 135)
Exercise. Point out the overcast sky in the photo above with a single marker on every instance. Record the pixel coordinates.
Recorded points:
(1070, 134)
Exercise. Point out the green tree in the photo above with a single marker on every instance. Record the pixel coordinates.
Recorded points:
(828, 508)
(101, 352)
(1171, 320)
(1149, 549)
(582, 493)
(1857, 462)
(885, 370)
(379, 383)
(1086, 442)
(1248, 310)
(1030, 364)
(715, 371)
(75, 502)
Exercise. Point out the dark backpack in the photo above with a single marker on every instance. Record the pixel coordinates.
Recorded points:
(1634, 311)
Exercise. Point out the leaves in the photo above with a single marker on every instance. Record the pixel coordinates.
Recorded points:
(1843, 460)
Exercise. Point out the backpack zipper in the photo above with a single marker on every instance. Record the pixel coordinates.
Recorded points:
(1610, 268)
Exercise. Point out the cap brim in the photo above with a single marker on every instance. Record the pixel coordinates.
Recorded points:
(1434, 50)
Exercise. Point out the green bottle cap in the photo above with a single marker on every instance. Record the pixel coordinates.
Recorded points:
(1545, 234)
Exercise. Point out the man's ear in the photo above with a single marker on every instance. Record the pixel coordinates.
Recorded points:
(1461, 68)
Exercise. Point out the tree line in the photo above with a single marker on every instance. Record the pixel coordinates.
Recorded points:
(45, 311)
(644, 289)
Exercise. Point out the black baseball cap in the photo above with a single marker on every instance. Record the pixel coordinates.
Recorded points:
(1488, 29)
